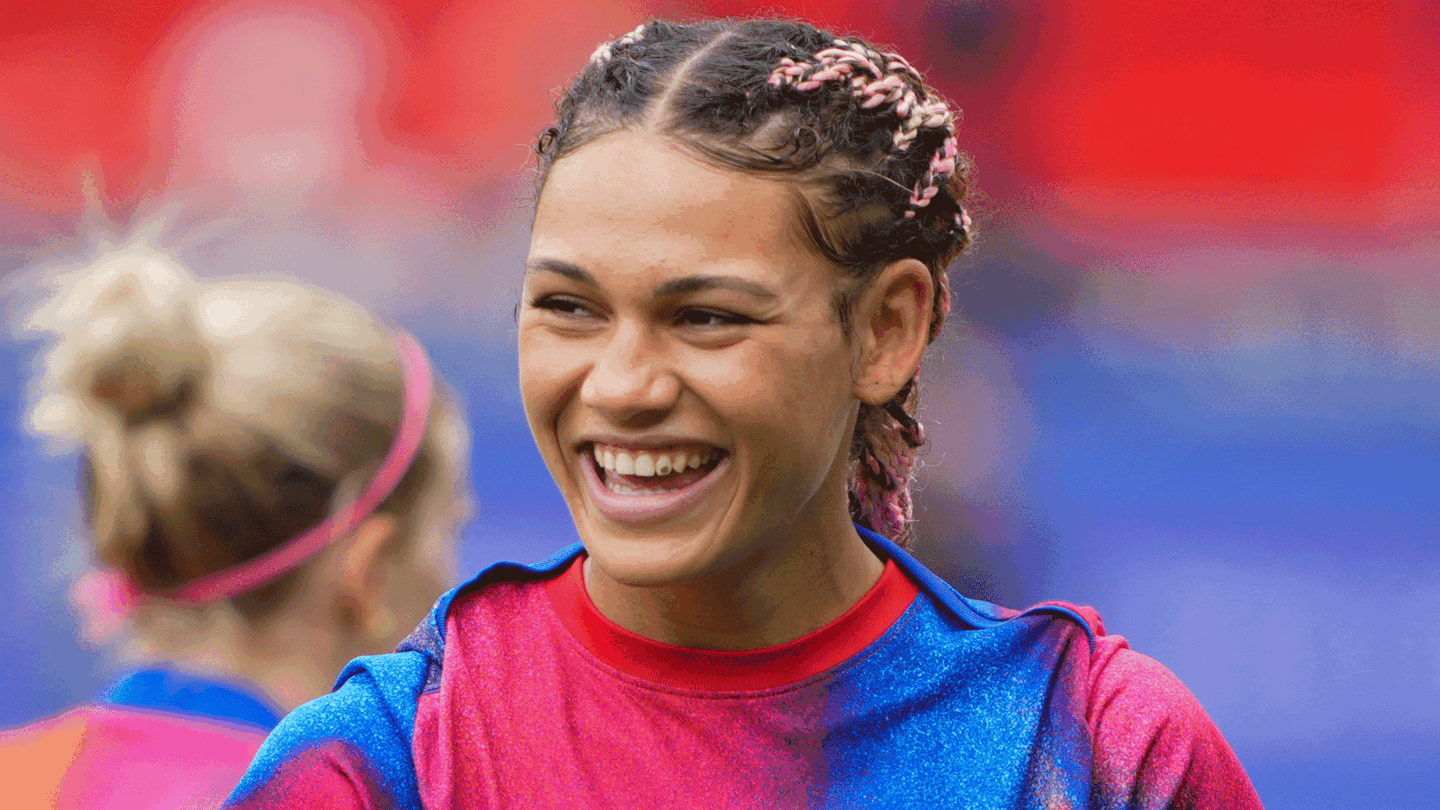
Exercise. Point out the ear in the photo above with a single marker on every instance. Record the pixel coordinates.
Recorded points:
(363, 574)
(892, 327)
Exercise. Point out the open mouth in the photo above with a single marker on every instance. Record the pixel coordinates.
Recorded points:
(657, 471)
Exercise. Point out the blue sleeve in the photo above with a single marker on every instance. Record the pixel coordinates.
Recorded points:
(348, 749)
(353, 748)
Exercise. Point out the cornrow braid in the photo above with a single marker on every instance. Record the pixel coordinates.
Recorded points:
(884, 464)
(859, 66)
(883, 85)
(884, 460)
(870, 148)
(606, 51)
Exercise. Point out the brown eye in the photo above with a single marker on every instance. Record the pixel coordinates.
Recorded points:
(562, 305)
(710, 318)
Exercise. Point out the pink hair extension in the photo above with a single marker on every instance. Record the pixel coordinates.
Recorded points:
(882, 488)
(846, 62)
(942, 295)
(606, 50)
(874, 86)
(942, 165)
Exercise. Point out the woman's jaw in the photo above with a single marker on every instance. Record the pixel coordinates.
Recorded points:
(718, 556)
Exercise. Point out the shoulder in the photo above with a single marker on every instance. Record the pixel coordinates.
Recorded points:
(1120, 677)
(1147, 739)
(35, 759)
(1119, 685)
(354, 747)
(977, 613)
(348, 748)
(1154, 744)
(483, 609)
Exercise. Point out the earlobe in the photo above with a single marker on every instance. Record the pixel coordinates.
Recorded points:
(893, 326)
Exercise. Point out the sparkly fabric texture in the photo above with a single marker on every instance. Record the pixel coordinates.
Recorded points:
(957, 704)
(731, 670)
(160, 740)
(349, 749)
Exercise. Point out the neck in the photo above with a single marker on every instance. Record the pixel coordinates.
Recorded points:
(286, 661)
(291, 672)
(779, 597)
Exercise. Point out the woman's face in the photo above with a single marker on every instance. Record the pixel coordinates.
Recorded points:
(681, 363)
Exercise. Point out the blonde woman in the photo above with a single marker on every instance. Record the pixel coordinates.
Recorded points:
(273, 481)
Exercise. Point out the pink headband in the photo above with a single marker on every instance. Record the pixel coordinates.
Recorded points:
(107, 596)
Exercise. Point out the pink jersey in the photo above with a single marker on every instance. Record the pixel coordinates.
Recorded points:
(137, 754)
(520, 694)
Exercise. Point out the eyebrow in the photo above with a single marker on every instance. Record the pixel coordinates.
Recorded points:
(672, 288)
(693, 284)
(566, 269)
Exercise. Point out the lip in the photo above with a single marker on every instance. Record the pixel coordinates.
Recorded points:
(652, 443)
(647, 508)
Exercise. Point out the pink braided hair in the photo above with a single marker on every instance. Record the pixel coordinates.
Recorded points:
(882, 489)
(886, 458)
(606, 50)
(854, 64)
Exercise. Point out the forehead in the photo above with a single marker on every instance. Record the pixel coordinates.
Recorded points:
(632, 200)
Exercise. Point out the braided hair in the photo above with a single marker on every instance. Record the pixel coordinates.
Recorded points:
(869, 148)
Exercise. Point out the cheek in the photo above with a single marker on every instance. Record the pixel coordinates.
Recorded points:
(549, 371)
(781, 393)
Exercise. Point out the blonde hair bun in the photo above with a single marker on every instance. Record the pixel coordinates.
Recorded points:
(218, 419)
(123, 343)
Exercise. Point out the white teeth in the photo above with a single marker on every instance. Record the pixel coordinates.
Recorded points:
(649, 464)
(644, 464)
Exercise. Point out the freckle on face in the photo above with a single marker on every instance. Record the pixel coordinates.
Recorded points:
(775, 395)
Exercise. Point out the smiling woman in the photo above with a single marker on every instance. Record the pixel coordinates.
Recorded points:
(737, 262)
(693, 324)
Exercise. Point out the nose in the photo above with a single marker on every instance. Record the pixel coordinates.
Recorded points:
(631, 383)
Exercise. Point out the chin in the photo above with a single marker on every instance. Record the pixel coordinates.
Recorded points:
(656, 557)
(645, 531)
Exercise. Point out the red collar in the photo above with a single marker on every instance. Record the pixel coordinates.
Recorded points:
(731, 670)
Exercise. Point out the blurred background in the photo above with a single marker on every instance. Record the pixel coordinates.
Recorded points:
(1196, 380)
